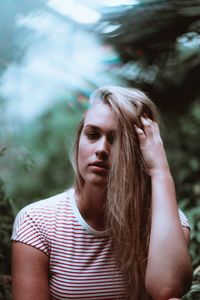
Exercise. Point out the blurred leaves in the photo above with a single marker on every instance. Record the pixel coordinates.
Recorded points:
(153, 45)
(195, 288)
(40, 156)
(6, 221)
(158, 43)
(181, 136)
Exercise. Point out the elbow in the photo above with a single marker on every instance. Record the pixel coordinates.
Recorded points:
(166, 293)
(161, 289)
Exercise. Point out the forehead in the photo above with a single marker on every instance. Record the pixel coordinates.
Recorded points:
(101, 115)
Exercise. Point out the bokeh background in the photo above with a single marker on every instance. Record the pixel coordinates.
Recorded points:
(53, 53)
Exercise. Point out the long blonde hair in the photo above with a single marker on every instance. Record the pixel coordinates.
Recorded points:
(128, 205)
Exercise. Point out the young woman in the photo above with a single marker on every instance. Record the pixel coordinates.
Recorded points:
(118, 234)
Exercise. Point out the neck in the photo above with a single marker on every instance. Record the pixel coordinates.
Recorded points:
(91, 204)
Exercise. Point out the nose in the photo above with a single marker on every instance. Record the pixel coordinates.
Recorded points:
(102, 149)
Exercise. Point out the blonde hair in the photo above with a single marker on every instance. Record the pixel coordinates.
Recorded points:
(128, 205)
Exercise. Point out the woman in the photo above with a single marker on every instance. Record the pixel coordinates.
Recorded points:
(118, 234)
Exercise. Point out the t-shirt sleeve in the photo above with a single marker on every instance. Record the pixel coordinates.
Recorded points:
(183, 219)
(29, 228)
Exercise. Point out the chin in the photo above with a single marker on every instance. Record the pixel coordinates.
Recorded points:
(97, 180)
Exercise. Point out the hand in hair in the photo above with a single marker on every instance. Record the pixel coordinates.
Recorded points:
(168, 240)
(151, 146)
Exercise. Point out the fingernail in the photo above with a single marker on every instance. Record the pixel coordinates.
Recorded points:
(143, 119)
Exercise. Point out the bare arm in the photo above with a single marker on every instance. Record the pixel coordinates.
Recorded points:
(169, 270)
(29, 273)
(169, 264)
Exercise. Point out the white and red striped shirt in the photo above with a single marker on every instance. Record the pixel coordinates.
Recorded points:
(81, 263)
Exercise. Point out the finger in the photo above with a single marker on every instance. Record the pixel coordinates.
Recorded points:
(140, 132)
(156, 126)
(156, 130)
(147, 126)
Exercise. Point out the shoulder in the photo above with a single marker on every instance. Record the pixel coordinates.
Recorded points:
(41, 215)
(48, 205)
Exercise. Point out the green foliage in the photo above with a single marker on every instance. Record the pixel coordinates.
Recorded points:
(38, 165)
(6, 221)
(158, 43)
(181, 136)
(183, 153)
(194, 293)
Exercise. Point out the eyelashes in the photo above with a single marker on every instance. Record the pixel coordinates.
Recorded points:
(92, 135)
(95, 135)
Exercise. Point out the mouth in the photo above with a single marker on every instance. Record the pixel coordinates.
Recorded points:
(100, 165)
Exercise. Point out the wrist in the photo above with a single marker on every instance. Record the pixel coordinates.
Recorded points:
(160, 173)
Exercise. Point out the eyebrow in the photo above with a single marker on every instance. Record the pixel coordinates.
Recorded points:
(97, 128)
(92, 126)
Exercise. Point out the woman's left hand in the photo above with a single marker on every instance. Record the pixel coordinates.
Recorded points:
(151, 146)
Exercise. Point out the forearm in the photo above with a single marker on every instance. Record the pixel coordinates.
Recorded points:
(169, 265)
(166, 227)
(169, 270)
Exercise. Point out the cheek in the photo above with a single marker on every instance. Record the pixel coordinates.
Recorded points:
(84, 153)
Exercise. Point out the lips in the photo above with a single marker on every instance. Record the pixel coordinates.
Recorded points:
(100, 165)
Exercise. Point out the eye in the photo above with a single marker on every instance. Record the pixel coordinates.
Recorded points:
(92, 135)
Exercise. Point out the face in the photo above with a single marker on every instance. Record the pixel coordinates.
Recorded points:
(96, 145)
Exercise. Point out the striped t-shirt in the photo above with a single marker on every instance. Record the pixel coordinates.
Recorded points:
(81, 263)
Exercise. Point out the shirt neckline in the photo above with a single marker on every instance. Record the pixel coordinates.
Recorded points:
(80, 219)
